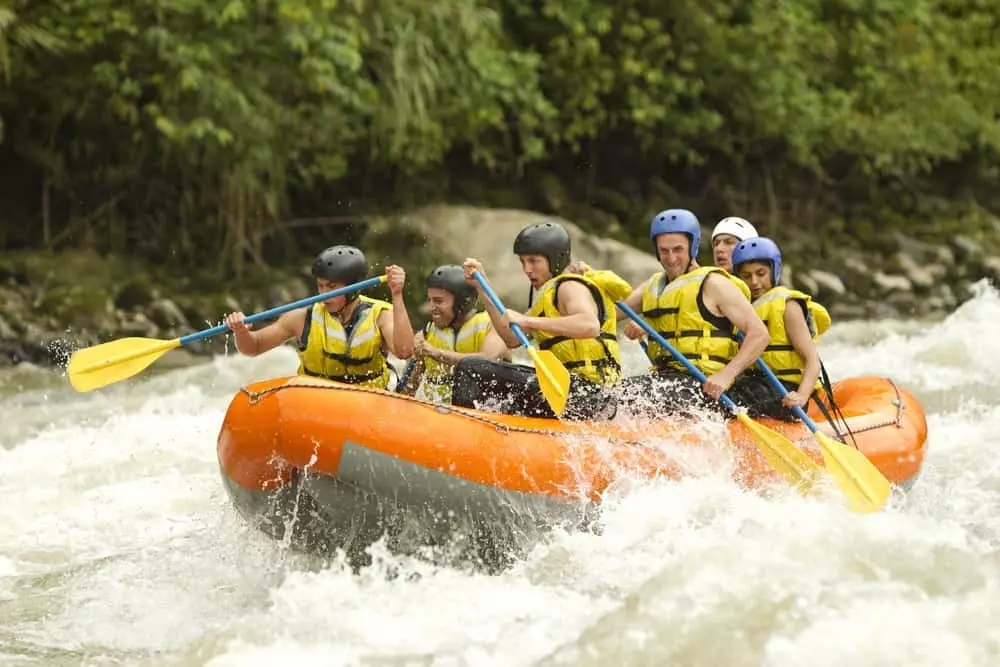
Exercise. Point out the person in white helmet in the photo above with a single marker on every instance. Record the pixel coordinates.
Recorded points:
(726, 235)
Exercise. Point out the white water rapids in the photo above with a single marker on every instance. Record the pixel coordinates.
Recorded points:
(119, 546)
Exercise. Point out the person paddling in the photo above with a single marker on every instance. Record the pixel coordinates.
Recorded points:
(698, 311)
(793, 329)
(345, 339)
(572, 317)
(456, 331)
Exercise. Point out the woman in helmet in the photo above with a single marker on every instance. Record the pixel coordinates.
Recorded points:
(726, 235)
(572, 316)
(791, 354)
(698, 311)
(456, 331)
(346, 338)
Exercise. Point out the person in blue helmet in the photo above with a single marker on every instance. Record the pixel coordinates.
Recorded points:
(794, 330)
(698, 310)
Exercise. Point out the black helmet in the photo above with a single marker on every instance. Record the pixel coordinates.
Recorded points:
(341, 264)
(451, 278)
(548, 239)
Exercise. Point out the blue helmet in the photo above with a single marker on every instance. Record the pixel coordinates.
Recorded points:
(760, 249)
(676, 221)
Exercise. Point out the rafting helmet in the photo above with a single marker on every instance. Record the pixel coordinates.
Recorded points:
(759, 249)
(548, 239)
(341, 264)
(451, 278)
(734, 226)
(676, 221)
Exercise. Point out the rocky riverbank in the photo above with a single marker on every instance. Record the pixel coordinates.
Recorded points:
(52, 304)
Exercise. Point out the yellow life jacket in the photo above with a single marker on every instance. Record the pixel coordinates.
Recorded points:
(353, 354)
(468, 339)
(675, 311)
(779, 355)
(596, 359)
(609, 282)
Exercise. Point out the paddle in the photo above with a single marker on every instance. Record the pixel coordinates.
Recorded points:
(405, 377)
(100, 365)
(410, 365)
(797, 468)
(865, 486)
(553, 378)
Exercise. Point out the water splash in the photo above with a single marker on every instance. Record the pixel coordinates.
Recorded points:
(121, 547)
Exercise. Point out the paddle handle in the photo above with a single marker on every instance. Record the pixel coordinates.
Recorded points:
(499, 306)
(308, 301)
(780, 388)
(726, 401)
(410, 365)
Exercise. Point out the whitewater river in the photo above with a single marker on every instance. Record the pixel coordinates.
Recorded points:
(118, 544)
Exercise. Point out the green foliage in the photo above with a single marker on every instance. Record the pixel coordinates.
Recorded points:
(185, 131)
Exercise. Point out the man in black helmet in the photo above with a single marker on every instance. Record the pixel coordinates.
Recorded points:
(456, 331)
(572, 316)
(346, 338)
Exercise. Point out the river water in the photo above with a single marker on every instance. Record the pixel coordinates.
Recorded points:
(118, 544)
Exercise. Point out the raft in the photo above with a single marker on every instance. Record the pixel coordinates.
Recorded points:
(328, 466)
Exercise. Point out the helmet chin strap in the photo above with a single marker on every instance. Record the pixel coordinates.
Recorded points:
(348, 300)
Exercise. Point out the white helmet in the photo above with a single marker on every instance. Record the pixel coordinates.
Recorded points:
(738, 227)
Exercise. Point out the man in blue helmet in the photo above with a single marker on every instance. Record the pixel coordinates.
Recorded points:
(573, 317)
(698, 310)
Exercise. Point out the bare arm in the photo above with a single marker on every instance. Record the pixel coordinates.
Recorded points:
(471, 266)
(397, 332)
(252, 343)
(634, 300)
(493, 348)
(801, 340)
(578, 314)
(729, 302)
(500, 325)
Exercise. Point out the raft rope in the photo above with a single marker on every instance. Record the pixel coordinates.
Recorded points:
(255, 396)
(828, 389)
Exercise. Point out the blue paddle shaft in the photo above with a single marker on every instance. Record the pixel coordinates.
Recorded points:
(410, 365)
(407, 372)
(726, 401)
(499, 306)
(308, 301)
(780, 388)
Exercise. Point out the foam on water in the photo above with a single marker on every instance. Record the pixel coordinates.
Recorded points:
(119, 545)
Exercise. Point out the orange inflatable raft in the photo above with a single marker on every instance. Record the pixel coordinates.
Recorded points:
(329, 466)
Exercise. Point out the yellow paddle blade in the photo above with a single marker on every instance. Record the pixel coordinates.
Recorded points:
(100, 365)
(553, 378)
(865, 486)
(798, 469)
